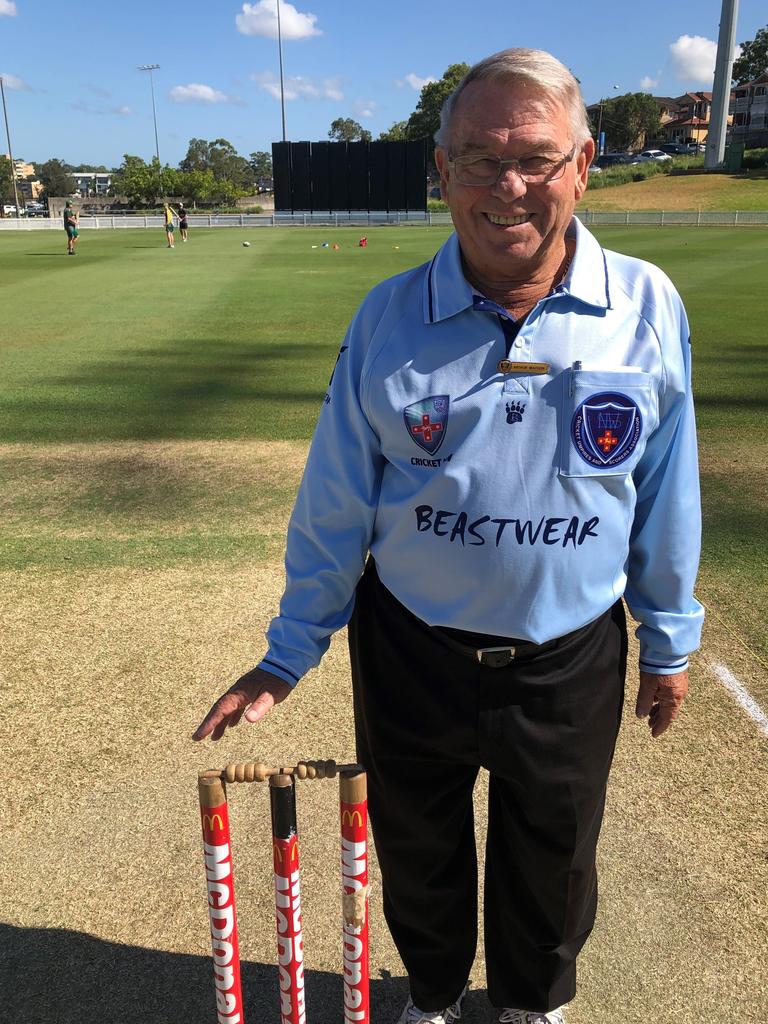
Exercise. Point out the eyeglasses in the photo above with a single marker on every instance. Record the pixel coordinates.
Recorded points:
(535, 169)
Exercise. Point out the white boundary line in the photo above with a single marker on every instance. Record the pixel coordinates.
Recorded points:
(742, 696)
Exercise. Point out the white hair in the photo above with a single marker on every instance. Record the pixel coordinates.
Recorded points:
(535, 68)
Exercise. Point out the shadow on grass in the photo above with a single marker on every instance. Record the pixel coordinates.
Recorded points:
(56, 976)
(206, 388)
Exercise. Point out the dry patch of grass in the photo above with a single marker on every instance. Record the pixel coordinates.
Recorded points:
(690, 192)
(145, 502)
(106, 673)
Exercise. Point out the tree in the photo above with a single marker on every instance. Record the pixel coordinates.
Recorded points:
(54, 174)
(144, 183)
(197, 186)
(753, 61)
(344, 129)
(628, 120)
(221, 158)
(397, 133)
(133, 178)
(261, 165)
(6, 180)
(425, 120)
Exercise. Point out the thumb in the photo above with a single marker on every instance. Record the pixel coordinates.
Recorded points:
(260, 707)
(646, 695)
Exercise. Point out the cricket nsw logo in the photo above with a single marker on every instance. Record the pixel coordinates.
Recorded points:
(606, 428)
(426, 422)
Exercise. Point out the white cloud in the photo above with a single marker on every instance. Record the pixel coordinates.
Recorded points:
(693, 59)
(332, 89)
(7, 7)
(260, 19)
(298, 87)
(647, 83)
(416, 83)
(365, 108)
(197, 93)
(123, 111)
(13, 81)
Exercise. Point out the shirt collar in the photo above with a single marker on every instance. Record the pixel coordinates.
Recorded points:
(447, 292)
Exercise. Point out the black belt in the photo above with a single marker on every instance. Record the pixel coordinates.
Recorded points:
(491, 657)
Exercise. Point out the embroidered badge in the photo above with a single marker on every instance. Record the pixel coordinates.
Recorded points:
(426, 421)
(606, 428)
(515, 412)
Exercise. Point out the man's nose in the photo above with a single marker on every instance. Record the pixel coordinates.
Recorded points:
(509, 185)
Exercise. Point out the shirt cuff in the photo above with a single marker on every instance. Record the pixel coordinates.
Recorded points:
(276, 669)
(659, 665)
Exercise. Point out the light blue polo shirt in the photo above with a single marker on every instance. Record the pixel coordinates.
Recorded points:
(521, 503)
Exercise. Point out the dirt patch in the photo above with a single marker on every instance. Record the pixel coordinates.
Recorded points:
(104, 677)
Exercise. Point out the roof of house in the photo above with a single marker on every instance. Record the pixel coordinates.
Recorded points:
(681, 121)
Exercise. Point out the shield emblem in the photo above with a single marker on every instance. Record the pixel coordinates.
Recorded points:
(606, 429)
(426, 422)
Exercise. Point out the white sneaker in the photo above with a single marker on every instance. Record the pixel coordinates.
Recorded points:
(413, 1015)
(510, 1016)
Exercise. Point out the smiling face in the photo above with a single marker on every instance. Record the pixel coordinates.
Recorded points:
(511, 231)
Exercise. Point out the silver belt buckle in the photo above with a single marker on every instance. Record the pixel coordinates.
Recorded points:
(495, 657)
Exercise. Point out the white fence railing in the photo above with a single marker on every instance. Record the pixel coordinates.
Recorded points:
(627, 218)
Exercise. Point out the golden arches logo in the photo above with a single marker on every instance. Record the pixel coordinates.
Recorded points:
(211, 821)
(277, 850)
(352, 818)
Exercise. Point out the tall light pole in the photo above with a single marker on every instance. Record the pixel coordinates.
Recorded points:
(280, 51)
(10, 151)
(150, 68)
(721, 90)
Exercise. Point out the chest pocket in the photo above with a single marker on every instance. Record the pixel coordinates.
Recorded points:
(605, 421)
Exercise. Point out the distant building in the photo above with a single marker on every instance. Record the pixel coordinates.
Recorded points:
(92, 183)
(26, 184)
(689, 122)
(750, 112)
(684, 119)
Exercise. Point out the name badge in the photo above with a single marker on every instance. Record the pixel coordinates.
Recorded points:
(533, 369)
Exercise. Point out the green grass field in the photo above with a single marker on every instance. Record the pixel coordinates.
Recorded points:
(131, 342)
(155, 410)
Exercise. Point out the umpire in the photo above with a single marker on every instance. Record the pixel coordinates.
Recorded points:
(509, 433)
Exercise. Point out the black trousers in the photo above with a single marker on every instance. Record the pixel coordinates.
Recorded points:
(427, 718)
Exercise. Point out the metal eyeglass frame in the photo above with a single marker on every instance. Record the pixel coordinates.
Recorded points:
(555, 175)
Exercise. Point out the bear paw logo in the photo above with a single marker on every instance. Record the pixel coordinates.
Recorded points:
(515, 412)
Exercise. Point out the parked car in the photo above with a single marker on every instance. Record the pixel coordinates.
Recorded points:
(9, 210)
(675, 148)
(611, 159)
(696, 147)
(435, 193)
(34, 209)
(648, 155)
(594, 169)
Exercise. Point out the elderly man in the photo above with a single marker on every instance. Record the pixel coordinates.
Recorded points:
(509, 432)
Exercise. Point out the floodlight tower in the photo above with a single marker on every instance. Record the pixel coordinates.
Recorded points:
(151, 68)
(721, 89)
(280, 51)
(10, 151)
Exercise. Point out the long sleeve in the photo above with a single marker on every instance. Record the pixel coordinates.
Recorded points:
(332, 522)
(666, 535)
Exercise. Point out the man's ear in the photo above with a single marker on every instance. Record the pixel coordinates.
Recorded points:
(441, 162)
(583, 162)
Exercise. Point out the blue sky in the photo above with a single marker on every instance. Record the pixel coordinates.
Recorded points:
(73, 90)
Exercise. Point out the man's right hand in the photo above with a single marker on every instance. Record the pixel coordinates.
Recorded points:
(257, 688)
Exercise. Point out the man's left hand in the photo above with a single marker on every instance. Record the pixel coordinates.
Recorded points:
(660, 698)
